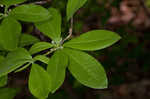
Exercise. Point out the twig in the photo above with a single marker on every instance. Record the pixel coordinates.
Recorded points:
(37, 2)
(41, 2)
(51, 51)
(70, 30)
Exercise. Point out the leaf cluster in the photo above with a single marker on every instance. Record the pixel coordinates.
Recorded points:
(65, 54)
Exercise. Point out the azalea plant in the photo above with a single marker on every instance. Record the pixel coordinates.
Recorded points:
(60, 55)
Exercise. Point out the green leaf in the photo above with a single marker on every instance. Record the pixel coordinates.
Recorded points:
(11, 2)
(51, 27)
(8, 93)
(93, 40)
(10, 31)
(147, 2)
(73, 6)
(2, 58)
(39, 82)
(27, 40)
(56, 69)
(41, 58)
(40, 46)
(86, 69)
(30, 13)
(3, 80)
(14, 60)
(1, 48)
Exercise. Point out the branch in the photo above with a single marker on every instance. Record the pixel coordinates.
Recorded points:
(51, 51)
(41, 2)
(37, 2)
(70, 31)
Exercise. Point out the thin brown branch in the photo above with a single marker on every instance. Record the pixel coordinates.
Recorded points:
(70, 30)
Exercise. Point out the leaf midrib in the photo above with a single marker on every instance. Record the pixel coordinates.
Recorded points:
(88, 41)
(84, 68)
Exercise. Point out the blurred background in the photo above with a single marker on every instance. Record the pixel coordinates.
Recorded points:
(127, 62)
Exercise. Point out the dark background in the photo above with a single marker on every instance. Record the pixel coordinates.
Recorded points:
(127, 62)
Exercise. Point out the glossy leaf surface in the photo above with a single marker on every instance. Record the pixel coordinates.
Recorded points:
(10, 31)
(57, 68)
(52, 26)
(86, 69)
(93, 40)
(39, 82)
(30, 13)
(14, 60)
